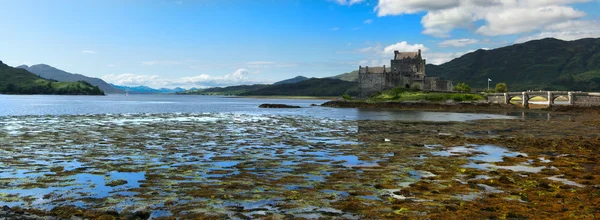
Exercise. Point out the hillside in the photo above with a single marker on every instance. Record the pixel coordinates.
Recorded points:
(229, 90)
(310, 87)
(49, 72)
(292, 80)
(351, 76)
(20, 81)
(547, 64)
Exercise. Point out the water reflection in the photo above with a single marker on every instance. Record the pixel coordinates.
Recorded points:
(402, 115)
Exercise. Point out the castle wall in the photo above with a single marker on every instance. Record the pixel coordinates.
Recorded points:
(370, 83)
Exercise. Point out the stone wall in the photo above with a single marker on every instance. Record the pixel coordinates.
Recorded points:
(586, 99)
(370, 83)
(496, 99)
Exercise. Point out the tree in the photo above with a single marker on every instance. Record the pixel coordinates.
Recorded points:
(346, 97)
(501, 87)
(462, 87)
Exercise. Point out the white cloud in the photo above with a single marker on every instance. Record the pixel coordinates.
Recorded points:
(348, 2)
(131, 79)
(498, 17)
(89, 52)
(570, 30)
(404, 47)
(395, 7)
(368, 21)
(335, 28)
(522, 20)
(458, 42)
(388, 51)
(111, 65)
(240, 76)
(440, 58)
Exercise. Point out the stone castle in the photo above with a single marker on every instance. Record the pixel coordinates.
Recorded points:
(407, 70)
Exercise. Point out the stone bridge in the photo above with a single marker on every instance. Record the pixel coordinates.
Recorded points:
(575, 98)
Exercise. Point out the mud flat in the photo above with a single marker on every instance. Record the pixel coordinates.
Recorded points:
(236, 166)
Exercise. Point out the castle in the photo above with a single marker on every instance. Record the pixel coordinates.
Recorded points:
(407, 70)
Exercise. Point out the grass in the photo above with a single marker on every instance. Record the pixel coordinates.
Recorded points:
(401, 94)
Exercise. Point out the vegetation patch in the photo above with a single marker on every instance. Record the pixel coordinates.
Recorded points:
(402, 94)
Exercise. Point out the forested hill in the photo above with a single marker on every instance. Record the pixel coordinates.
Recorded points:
(49, 72)
(20, 81)
(547, 64)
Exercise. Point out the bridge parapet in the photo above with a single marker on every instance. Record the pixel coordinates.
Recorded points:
(576, 98)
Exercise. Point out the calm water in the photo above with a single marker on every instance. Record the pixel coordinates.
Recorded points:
(11, 105)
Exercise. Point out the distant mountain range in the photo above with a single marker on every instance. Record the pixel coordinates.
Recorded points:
(146, 89)
(49, 72)
(20, 81)
(547, 64)
(308, 87)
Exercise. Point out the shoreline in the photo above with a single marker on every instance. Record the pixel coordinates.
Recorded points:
(330, 98)
(459, 107)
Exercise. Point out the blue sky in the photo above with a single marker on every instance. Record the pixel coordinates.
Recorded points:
(202, 43)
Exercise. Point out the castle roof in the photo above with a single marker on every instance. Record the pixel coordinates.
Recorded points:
(376, 69)
(404, 55)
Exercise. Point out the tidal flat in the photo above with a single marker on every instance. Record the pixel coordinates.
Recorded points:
(242, 166)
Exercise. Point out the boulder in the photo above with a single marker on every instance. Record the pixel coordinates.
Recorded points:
(278, 106)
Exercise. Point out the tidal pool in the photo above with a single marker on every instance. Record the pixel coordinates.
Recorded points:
(252, 166)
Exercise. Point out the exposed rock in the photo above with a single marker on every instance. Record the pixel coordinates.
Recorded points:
(278, 106)
(116, 183)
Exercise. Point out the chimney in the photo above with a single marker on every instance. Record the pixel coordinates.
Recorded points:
(419, 52)
(383, 68)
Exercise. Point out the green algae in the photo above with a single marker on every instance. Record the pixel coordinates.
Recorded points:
(187, 165)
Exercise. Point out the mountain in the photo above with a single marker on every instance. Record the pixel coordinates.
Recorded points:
(292, 80)
(310, 87)
(229, 90)
(20, 81)
(351, 76)
(547, 64)
(175, 90)
(50, 72)
(146, 89)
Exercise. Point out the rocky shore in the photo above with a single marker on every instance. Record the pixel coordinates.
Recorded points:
(458, 106)
(447, 106)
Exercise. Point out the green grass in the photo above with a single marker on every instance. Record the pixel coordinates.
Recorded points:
(401, 94)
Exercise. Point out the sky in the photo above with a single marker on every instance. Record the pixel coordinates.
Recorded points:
(206, 43)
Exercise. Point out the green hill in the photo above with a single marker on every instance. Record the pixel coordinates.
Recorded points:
(350, 77)
(292, 80)
(49, 72)
(310, 87)
(547, 64)
(20, 81)
(229, 90)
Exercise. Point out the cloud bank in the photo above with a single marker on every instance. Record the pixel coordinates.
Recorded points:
(491, 17)
(240, 76)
